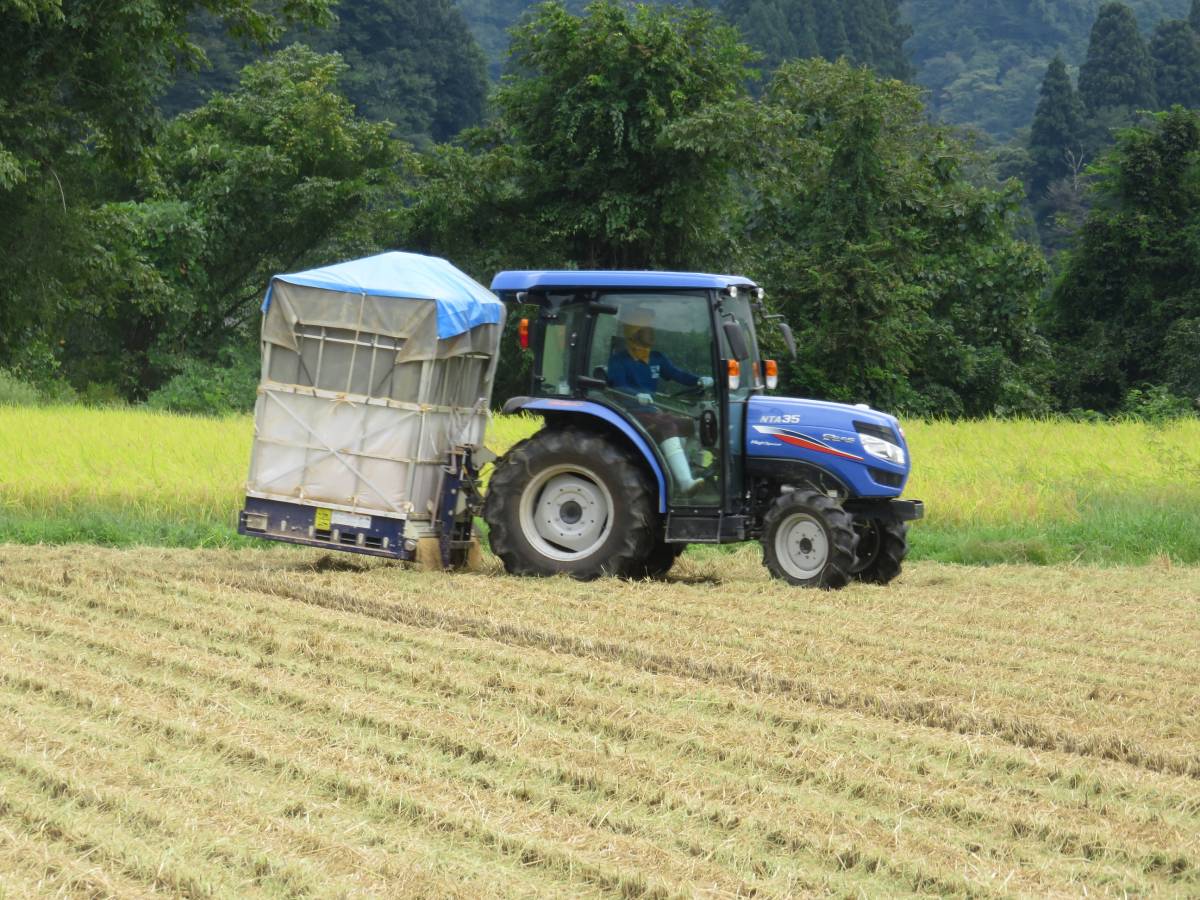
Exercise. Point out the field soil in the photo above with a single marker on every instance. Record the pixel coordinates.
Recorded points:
(247, 723)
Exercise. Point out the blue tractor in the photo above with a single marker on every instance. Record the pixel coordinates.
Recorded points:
(659, 432)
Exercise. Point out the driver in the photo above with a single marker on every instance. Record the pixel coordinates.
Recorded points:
(635, 369)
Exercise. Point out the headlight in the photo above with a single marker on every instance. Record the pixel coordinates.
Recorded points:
(882, 449)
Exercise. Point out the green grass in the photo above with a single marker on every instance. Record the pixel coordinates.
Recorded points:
(996, 491)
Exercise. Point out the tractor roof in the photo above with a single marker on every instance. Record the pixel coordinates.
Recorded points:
(512, 282)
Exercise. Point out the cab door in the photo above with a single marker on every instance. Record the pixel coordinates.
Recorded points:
(653, 352)
(736, 311)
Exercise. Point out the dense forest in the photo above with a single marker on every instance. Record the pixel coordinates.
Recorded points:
(982, 61)
(413, 62)
(410, 62)
(151, 186)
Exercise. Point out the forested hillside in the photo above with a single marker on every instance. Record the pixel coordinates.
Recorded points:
(414, 62)
(983, 60)
(411, 62)
(631, 136)
(866, 31)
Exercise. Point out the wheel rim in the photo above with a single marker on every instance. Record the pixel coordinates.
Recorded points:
(566, 513)
(802, 546)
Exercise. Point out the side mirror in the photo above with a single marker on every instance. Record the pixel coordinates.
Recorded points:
(789, 339)
(737, 340)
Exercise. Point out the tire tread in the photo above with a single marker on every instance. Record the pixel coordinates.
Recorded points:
(843, 538)
(514, 470)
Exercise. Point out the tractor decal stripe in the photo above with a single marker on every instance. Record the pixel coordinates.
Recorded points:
(799, 440)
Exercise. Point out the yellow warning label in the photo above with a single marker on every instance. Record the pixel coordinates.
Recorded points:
(323, 520)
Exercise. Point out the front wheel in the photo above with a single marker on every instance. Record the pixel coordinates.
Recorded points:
(809, 540)
(882, 547)
(567, 501)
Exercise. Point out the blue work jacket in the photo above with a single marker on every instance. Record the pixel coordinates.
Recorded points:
(628, 374)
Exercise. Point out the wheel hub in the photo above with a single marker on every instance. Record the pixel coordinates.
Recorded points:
(802, 546)
(566, 513)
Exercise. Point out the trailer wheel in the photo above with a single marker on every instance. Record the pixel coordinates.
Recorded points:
(567, 501)
(809, 540)
(882, 547)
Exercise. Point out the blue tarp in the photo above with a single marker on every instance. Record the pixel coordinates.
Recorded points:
(462, 302)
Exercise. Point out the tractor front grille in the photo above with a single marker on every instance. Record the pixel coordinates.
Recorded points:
(887, 479)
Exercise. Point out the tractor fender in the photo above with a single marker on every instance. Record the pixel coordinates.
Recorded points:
(564, 409)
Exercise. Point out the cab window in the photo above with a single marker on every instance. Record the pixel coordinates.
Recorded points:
(654, 354)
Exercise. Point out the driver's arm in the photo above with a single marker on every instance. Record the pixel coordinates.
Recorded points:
(621, 378)
(682, 376)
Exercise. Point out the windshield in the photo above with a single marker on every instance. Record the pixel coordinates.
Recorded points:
(737, 309)
(674, 326)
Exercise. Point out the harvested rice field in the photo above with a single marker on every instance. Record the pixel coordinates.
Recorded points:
(235, 723)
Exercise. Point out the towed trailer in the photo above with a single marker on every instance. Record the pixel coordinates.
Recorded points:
(372, 407)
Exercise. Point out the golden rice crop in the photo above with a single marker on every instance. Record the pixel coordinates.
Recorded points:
(1038, 471)
(231, 723)
(54, 459)
(1103, 492)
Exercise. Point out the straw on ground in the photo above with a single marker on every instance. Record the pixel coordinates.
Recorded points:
(234, 723)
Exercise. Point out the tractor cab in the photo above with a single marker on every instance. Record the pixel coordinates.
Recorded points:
(657, 352)
(648, 383)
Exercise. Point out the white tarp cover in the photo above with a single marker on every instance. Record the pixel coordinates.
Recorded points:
(361, 400)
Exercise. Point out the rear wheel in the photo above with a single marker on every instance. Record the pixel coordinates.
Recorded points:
(568, 501)
(659, 560)
(809, 540)
(882, 547)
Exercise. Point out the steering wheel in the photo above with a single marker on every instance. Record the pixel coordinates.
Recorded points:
(694, 390)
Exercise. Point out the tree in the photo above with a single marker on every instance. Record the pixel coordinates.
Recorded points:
(877, 34)
(903, 278)
(265, 179)
(983, 61)
(867, 31)
(1194, 16)
(831, 29)
(411, 62)
(1125, 307)
(779, 29)
(1057, 130)
(1118, 71)
(584, 129)
(1175, 49)
(78, 80)
(73, 71)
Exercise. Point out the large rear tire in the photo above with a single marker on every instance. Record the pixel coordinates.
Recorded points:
(809, 540)
(568, 501)
(882, 547)
(659, 560)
